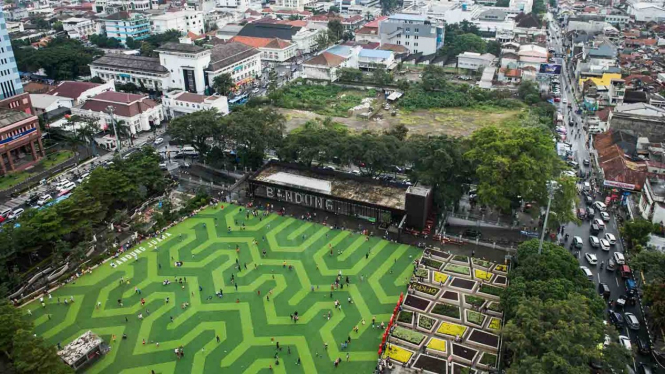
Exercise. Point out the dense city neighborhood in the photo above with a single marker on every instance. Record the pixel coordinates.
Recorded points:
(423, 186)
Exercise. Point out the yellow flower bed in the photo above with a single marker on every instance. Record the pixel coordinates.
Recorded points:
(482, 274)
(495, 324)
(502, 268)
(437, 345)
(440, 277)
(451, 329)
(398, 353)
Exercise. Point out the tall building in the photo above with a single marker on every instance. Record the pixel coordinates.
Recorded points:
(10, 83)
(122, 25)
(417, 33)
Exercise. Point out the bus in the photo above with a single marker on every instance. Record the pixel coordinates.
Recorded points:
(238, 100)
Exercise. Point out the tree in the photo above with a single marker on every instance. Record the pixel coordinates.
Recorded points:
(147, 49)
(637, 231)
(527, 90)
(320, 140)
(254, 130)
(223, 84)
(377, 152)
(102, 41)
(272, 81)
(333, 9)
(57, 26)
(387, 6)
(493, 47)
(88, 128)
(350, 75)
(132, 44)
(195, 129)
(502, 3)
(438, 161)
(400, 131)
(513, 162)
(335, 30)
(434, 78)
(651, 264)
(466, 43)
(322, 41)
(381, 77)
(61, 59)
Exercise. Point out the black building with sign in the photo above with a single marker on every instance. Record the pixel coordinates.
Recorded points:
(342, 193)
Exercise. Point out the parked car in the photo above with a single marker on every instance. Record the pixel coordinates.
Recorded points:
(587, 272)
(67, 187)
(44, 199)
(604, 290)
(594, 229)
(83, 177)
(617, 319)
(619, 259)
(591, 259)
(159, 141)
(611, 238)
(605, 216)
(163, 166)
(604, 245)
(15, 213)
(625, 341)
(588, 199)
(578, 242)
(631, 321)
(593, 240)
(600, 222)
(611, 265)
(586, 162)
(600, 206)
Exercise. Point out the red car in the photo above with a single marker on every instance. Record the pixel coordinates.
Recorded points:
(557, 99)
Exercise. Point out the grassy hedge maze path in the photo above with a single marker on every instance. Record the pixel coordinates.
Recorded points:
(248, 325)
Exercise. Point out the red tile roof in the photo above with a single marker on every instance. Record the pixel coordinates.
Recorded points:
(604, 113)
(191, 97)
(125, 105)
(71, 89)
(367, 30)
(326, 59)
(375, 23)
(273, 43)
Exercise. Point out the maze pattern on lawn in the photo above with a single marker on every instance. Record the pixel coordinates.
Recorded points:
(246, 328)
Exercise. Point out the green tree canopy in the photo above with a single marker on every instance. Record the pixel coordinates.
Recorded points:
(637, 231)
(61, 59)
(315, 140)
(253, 131)
(223, 84)
(196, 129)
(335, 30)
(102, 41)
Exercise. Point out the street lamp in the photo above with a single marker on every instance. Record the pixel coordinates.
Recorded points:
(551, 188)
(109, 110)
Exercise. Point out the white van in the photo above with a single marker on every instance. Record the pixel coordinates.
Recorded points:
(188, 150)
(595, 130)
(587, 272)
(5, 212)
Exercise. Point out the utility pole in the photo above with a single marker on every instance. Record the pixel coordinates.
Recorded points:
(551, 187)
(110, 109)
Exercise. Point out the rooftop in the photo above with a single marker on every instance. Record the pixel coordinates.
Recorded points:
(334, 184)
(10, 117)
(375, 53)
(227, 54)
(72, 89)
(80, 347)
(42, 101)
(138, 63)
(408, 17)
(325, 59)
(180, 48)
(269, 30)
(273, 43)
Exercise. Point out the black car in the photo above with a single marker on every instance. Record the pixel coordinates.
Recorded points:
(643, 346)
(616, 319)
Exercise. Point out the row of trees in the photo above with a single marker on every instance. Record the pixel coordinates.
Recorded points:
(651, 263)
(67, 227)
(555, 317)
(61, 59)
(23, 352)
(467, 37)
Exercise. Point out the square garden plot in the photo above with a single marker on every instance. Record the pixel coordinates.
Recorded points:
(478, 262)
(473, 301)
(431, 364)
(426, 323)
(451, 329)
(446, 310)
(467, 354)
(500, 280)
(431, 263)
(442, 255)
(405, 316)
(416, 302)
(450, 296)
(408, 336)
(463, 284)
(491, 291)
(484, 339)
(462, 369)
(488, 359)
(474, 318)
(458, 269)
(460, 259)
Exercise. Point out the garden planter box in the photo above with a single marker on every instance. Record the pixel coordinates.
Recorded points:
(420, 290)
(431, 364)
(460, 260)
(494, 324)
(487, 361)
(458, 369)
(482, 275)
(493, 312)
(457, 270)
(431, 263)
(437, 347)
(500, 281)
(451, 330)
(465, 285)
(403, 313)
(440, 256)
(483, 339)
(474, 319)
(484, 289)
(450, 297)
(463, 353)
(421, 320)
(452, 312)
(481, 264)
(422, 273)
(501, 269)
(400, 335)
(440, 279)
(467, 302)
(416, 303)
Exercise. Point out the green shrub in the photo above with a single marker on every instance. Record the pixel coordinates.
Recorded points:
(405, 316)
(446, 310)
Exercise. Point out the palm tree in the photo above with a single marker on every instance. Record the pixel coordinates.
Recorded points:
(124, 131)
(86, 133)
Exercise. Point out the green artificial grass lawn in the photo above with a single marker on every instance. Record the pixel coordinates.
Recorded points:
(246, 328)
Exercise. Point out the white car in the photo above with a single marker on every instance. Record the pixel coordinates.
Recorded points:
(67, 187)
(159, 141)
(15, 214)
(591, 259)
(631, 321)
(600, 206)
(625, 342)
(604, 245)
(593, 240)
(619, 259)
(605, 216)
(611, 238)
(565, 101)
(587, 272)
(43, 200)
(600, 223)
(256, 90)
(84, 176)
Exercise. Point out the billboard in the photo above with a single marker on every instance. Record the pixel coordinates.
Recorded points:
(550, 69)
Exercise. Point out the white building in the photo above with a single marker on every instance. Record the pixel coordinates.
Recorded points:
(184, 21)
(293, 4)
(78, 28)
(474, 61)
(44, 103)
(241, 61)
(324, 66)
(373, 58)
(647, 12)
(652, 200)
(524, 6)
(177, 103)
(239, 5)
(186, 63)
(417, 33)
(303, 37)
(122, 25)
(110, 6)
(137, 111)
(142, 71)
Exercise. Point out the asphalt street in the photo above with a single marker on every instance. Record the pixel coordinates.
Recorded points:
(612, 278)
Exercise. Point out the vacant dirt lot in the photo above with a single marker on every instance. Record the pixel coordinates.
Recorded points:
(455, 121)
